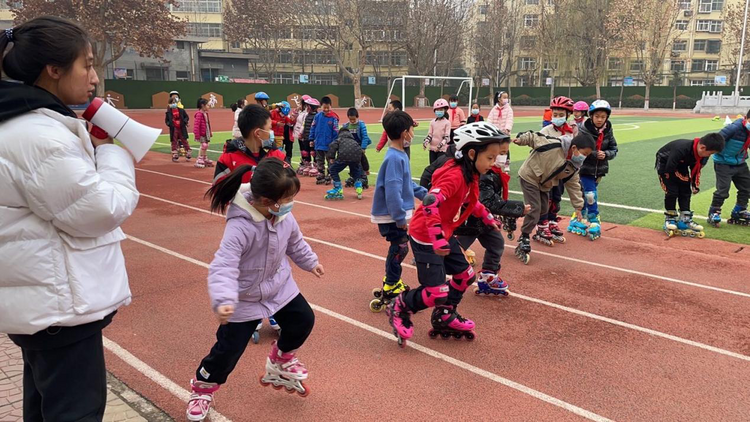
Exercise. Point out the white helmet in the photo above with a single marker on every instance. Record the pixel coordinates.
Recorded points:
(600, 105)
(477, 133)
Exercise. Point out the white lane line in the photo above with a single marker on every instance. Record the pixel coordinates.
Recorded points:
(426, 350)
(156, 376)
(510, 246)
(528, 298)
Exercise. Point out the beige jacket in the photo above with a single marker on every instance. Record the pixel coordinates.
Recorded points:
(545, 169)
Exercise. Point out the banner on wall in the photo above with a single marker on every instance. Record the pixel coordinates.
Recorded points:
(304, 79)
(485, 81)
(720, 80)
(121, 73)
(628, 81)
(371, 80)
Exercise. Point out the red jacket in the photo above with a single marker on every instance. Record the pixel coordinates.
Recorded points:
(449, 185)
(384, 137)
(278, 121)
(236, 154)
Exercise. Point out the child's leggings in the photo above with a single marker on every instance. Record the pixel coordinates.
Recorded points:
(493, 243)
(431, 270)
(399, 240)
(589, 186)
(296, 320)
(179, 141)
(305, 151)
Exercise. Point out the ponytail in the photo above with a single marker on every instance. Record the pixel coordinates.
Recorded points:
(222, 193)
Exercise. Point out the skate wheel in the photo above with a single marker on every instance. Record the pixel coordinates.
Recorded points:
(445, 335)
(262, 382)
(561, 240)
(701, 235)
(510, 236)
(376, 292)
(306, 390)
(526, 259)
(401, 342)
(670, 233)
(470, 335)
(376, 305)
(476, 291)
(433, 334)
(256, 337)
(691, 234)
(684, 233)
(457, 336)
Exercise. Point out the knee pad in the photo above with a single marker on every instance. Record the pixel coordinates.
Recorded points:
(554, 207)
(590, 197)
(305, 154)
(204, 147)
(435, 296)
(403, 250)
(462, 281)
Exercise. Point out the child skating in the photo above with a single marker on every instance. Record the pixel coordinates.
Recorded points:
(393, 205)
(177, 121)
(256, 219)
(202, 132)
(323, 131)
(679, 164)
(306, 145)
(344, 152)
(299, 127)
(549, 163)
(438, 136)
(730, 166)
(454, 196)
(596, 165)
(358, 129)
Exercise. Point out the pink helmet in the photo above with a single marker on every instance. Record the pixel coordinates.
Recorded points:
(306, 97)
(440, 104)
(580, 106)
(312, 101)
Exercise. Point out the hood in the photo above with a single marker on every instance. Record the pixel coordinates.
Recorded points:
(345, 135)
(17, 99)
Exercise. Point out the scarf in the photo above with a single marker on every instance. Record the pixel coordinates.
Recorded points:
(696, 171)
(746, 145)
(565, 128)
(504, 179)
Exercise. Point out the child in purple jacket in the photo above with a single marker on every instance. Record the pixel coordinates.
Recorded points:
(250, 279)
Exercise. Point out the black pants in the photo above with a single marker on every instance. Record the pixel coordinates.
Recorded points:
(431, 271)
(338, 166)
(434, 155)
(725, 175)
(399, 240)
(493, 243)
(555, 197)
(365, 163)
(676, 190)
(296, 320)
(64, 384)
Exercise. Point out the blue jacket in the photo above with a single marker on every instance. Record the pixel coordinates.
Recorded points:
(324, 130)
(735, 136)
(361, 135)
(393, 201)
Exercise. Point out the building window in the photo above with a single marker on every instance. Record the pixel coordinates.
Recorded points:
(183, 75)
(530, 21)
(636, 65)
(713, 27)
(283, 78)
(712, 65)
(155, 74)
(10, 4)
(713, 47)
(200, 6)
(206, 30)
(677, 66)
(681, 25)
(701, 82)
(716, 27)
(235, 44)
(698, 65)
(550, 65)
(399, 59)
(180, 45)
(679, 45)
(708, 6)
(324, 79)
(527, 63)
(614, 63)
(684, 4)
(532, 1)
(482, 9)
(702, 25)
(699, 45)
(528, 42)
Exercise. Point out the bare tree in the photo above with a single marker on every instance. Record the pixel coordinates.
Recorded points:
(648, 28)
(495, 41)
(147, 26)
(733, 20)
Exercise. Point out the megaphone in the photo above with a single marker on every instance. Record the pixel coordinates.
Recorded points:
(135, 137)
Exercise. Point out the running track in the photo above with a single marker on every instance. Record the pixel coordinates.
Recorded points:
(655, 329)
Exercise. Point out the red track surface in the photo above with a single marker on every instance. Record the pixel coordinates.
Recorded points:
(534, 337)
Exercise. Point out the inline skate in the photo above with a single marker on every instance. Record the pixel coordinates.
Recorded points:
(523, 250)
(714, 217)
(284, 370)
(558, 236)
(490, 283)
(740, 216)
(399, 316)
(509, 224)
(349, 182)
(685, 225)
(314, 173)
(595, 227)
(385, 295)
(446, 323)
(320, 179)
(365, 182)
(328, 180)
(577, 226)
(543, 234)
(335, 194)
(200, 399)
(175, 156)
(358, 189)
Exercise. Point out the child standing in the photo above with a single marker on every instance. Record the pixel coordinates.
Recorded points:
(475, 116)
(177, 121)
(299, 127)
(493, 194)
(548, 165)
(262, 99)
(440, 130)
(345, 152)
(282, 129)
(202, 132)
(453, 197)
(324, 130)
(255, 143)
(457, 116)
(393, 106)
(596, 165)
(261, 233)
(730, 166)
(358, 129)
(580, 112)
(501, 114)
(306, 144)
(393, 204)
(237, 109)
(679, 165)
(561, 107)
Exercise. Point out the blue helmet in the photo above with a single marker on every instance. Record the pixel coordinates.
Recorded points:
(261, 96)
(600, 105)
(285, 107)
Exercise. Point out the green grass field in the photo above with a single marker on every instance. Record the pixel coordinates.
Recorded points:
(631, 182)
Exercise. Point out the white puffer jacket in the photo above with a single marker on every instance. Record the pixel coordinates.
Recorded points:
(61, 206)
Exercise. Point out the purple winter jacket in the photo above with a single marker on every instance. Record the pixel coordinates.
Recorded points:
(251, 270)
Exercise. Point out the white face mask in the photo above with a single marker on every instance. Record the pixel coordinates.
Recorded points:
(500, 160)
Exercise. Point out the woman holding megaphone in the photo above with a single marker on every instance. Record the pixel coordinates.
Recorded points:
(63, 196)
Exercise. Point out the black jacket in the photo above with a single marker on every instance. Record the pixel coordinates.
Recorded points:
(184, 120)
(308, 124)
(17, 99)
(491, 196)
(677, 158)
(593, 166)
(426, 179)
(345, 148)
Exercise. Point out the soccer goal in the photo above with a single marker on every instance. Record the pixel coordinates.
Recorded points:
(404, 78)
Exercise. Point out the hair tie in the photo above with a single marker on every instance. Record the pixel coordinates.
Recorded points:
(9, 34)
(458, 154)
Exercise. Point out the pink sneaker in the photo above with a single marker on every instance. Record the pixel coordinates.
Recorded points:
(285, 370)
(399, 317)
(200, 400)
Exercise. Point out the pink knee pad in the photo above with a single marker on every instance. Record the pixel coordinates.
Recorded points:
(435, 296)
(462, 281)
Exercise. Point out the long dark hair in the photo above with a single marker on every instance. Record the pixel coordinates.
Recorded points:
(468, 169)
(239, 104)
(47, 40)
(272, 179)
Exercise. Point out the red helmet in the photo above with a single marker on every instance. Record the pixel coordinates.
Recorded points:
(564, 103)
